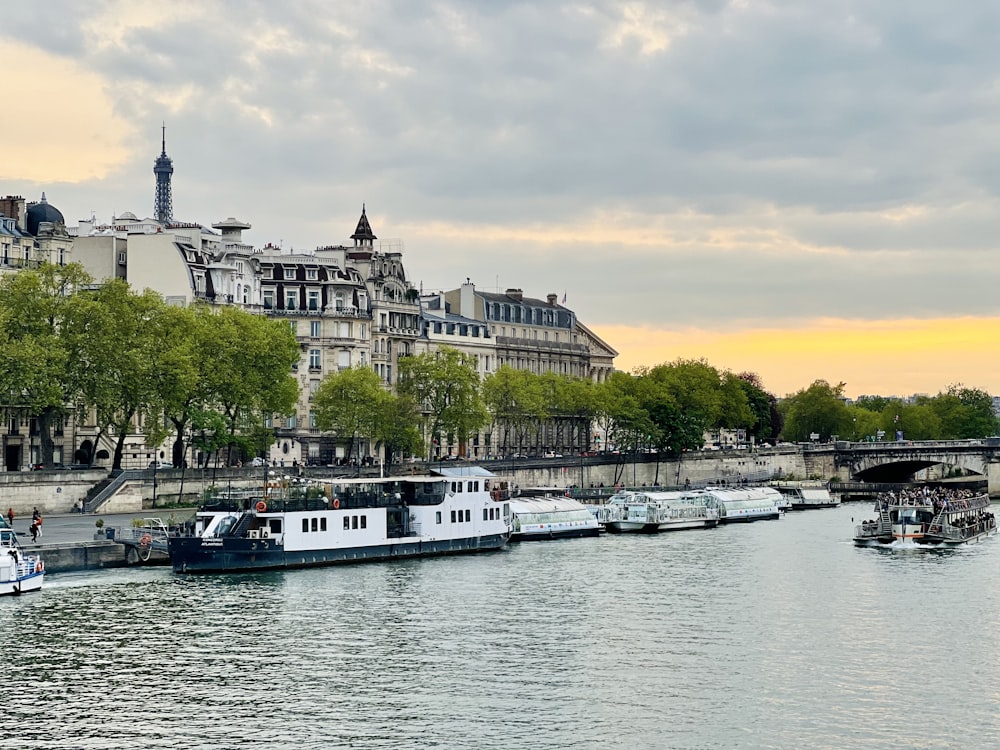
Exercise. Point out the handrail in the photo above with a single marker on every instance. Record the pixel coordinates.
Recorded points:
(94, 504)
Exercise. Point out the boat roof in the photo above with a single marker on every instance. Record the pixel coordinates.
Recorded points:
(459, 471)
(544, 504)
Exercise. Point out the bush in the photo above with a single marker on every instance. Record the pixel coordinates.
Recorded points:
(99, 523)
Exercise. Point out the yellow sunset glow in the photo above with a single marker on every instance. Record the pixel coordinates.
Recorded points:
(915, 356)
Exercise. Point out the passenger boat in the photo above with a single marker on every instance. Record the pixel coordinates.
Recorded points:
(653, 512)
(453, 511)
(550, 516)
(806, 496)
(928, 517)
(745, 504)
(19, 571)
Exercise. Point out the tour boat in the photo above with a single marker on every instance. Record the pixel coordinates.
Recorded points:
(928, 517)
(743, 505)
(653, 512)
(803, 496)
(550, 516)
(453, 511)
(19, 572)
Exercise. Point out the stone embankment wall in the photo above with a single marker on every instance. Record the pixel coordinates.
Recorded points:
(49, 491)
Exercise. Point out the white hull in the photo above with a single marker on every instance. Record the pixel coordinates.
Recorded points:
(19, 572)
(32, 582)
(637, 527)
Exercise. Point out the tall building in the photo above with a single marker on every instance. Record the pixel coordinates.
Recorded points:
(163, 168)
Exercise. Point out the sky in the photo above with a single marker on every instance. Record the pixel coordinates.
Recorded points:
(802, 190)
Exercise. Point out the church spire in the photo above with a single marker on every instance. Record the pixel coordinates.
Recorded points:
(163, 168)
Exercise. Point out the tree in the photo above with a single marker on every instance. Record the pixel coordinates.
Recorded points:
(115, 333)
(766, 423)
(965, 413)
(347, 403)
(515, 400)
(39, 368)
(820, 409)
(397, 427)
(446, 385)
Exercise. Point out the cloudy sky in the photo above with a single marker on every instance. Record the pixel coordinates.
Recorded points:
(805, 190)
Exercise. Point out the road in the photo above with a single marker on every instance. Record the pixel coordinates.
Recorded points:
(68, 528)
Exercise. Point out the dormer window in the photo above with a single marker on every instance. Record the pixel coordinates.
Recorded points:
(311, 274)
(290, 273)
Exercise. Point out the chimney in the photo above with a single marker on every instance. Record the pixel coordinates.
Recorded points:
(467, 300)
(515, 294)
(552, 299)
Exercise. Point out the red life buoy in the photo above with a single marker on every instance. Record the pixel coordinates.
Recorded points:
(39, 567)
(145, 540)
(261, 506)
(336, 503)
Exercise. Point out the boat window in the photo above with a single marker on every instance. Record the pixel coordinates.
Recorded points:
(469, 487)
(486, 514)
(354, 522)
(275, 525)
(315, 524)
(225, 525)
(453, 516)
(437, 517)
(468, 514)
(322, 524)
(305, 524)
(364, 522)
(347, 523)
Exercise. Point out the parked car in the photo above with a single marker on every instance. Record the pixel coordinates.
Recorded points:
(552, 454)
(160, 465)
(257, 461)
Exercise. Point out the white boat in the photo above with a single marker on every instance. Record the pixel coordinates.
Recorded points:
(744, 504)
(551, 517)
(653, 512)
(803, 496)
(19, 571)
(931, 517)
(453, 511)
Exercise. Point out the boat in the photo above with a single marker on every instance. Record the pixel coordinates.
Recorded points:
(806, 496)
(550, 516)
(744, 504)
(20, 572)
(928, 517)
(631, 512)
(451, 511)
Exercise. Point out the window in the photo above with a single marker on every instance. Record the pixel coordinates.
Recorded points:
(453, 516)
(291, 298)
(291, 423)
(305, 524)
(364, 522)
(322, 524)
(294, 326)
(313, 299)
(314, 359)
(347, 523)
(268, 299)
(343, 360)
(354, 522)
(338, 301)
(468, 515)
(437, 517)
(312, 419)
(485, 514)
(314, 328)
(311, 274)
(289, 273)
(315, 524)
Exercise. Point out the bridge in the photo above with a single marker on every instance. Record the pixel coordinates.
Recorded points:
(899, 461)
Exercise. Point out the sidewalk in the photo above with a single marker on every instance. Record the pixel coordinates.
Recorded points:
(67, 528)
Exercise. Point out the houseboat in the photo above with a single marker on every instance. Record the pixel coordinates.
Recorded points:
(928, 517)
(653, 512)
(806, 496)
(19, 571)
(550, 516)
(744, 504)
(453, 511)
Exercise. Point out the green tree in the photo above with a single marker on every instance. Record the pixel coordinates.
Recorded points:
(515, 401)
(39, 369)
(348, 404)
(397, 427)
(820, 409)
(965, 413)
(446, 384)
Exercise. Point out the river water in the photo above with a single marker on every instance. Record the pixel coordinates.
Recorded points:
(778, 634)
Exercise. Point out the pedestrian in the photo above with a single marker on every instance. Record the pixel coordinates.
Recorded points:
(10, 517)
(34, 532)
(35, 515)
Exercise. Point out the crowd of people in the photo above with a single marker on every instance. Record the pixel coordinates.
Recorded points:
(976, 520)
(36, 523)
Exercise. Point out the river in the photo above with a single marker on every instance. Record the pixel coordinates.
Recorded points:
(777, 634)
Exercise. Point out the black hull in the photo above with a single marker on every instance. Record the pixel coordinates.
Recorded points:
(234, 555)
(569, 534)
(744, 519)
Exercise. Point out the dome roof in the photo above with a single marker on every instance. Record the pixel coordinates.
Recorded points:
(42, 211)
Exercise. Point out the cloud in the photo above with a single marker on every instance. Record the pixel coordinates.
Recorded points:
(706, 163)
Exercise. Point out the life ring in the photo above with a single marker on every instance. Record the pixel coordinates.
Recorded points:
(261, 506)
(39, 567)
(336, 503)
(145, 540)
